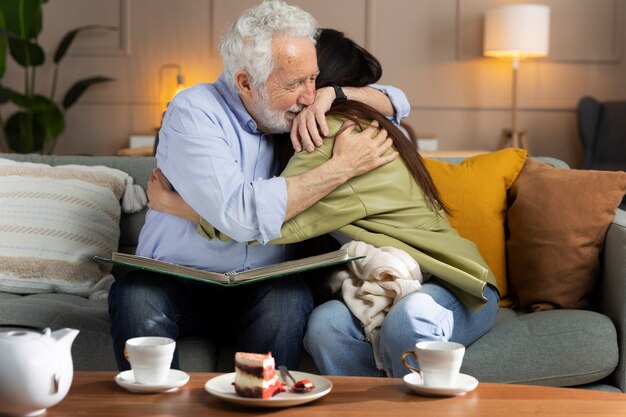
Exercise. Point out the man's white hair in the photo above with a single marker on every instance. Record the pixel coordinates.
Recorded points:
(247, 45)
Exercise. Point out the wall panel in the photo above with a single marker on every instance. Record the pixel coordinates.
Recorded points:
(429, 48)
(580, 30)
(72, 14)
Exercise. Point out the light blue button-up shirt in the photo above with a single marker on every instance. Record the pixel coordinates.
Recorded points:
(223, 166)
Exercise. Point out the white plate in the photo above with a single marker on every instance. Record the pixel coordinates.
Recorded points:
(222, 387)
(464, 384)
(174, 380)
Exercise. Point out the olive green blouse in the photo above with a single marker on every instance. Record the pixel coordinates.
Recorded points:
(386, 207)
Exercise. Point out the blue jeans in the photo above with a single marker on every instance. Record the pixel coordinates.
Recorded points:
(336, 341)
(268, 316)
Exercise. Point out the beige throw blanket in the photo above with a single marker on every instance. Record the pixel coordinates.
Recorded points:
(372, 285)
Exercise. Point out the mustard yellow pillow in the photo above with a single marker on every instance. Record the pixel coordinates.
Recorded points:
(476, 192)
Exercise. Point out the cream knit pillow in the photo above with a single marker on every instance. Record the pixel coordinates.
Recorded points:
(53, 220)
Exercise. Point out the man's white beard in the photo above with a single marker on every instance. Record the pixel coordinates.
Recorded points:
(275, 121)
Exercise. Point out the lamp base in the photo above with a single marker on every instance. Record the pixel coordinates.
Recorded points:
(514, 138)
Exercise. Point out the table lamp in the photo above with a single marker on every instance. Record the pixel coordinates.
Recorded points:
(166, 93)
(516, 32)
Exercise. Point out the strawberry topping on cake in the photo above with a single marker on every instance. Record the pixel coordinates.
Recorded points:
(304, 385)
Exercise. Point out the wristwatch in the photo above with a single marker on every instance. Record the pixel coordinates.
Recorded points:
(340, 96)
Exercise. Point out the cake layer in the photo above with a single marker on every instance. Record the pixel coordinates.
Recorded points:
(245, 380)
(262, 360)
(255, 375)
(256, 387)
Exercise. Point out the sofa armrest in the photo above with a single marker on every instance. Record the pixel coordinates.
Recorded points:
(613, 298)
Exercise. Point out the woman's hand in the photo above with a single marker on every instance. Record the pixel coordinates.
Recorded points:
(161, 197)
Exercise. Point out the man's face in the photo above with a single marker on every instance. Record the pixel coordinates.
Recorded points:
(290, 87)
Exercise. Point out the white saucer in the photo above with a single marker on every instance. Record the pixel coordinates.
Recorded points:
(464, 384)
(174, 380)
(222, 387)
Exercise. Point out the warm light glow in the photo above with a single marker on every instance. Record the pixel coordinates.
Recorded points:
(517, 31)
(169, 87)
(180, 88)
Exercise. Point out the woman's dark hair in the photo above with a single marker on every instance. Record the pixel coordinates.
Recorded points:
(341, 61)
(362, 114)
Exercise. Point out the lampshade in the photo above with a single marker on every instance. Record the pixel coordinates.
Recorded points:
(517, 31)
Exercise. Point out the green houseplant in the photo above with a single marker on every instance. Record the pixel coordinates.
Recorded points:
(38, 120)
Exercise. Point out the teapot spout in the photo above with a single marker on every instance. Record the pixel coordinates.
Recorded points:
(64, 337)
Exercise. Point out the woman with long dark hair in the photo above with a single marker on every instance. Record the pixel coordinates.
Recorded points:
(394, 205)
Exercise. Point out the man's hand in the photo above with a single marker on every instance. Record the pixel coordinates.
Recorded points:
(353, 155)
(309, 127)
(359, 153)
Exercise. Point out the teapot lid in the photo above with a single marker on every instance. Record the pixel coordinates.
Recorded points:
(20, 335)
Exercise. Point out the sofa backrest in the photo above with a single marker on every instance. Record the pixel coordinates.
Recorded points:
(140, 169)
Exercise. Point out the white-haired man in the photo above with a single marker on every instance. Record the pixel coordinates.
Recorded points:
(216, 148)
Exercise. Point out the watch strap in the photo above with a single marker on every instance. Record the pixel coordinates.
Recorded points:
(340, 96)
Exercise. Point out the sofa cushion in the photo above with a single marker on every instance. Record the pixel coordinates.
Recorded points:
(54, 219)
(555, 347)
(139, 168)
(557, 223)
(93, 347)
(475, 190)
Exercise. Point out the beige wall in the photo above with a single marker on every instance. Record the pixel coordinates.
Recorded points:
(429, 48)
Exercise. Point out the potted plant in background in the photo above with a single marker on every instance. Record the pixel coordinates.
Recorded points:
(38, 120)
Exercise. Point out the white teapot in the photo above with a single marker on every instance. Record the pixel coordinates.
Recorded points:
(36, 370)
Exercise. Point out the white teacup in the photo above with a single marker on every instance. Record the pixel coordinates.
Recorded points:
(150, 358)
(439, 362)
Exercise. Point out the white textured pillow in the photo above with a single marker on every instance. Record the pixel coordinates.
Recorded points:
(53, 220)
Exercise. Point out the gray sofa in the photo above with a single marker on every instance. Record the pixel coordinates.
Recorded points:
(558, 347)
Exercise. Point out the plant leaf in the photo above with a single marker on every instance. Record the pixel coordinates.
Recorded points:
(23, 17)
(24, 134)
(79, 88)
(25, 53)
(69, 38)
(49, 116)
(19, 99)
(4, 97)
(39, 103)
(6, 33)
(27, 130)
(3, 46)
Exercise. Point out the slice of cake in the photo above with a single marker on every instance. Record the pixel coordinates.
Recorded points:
(255, 375)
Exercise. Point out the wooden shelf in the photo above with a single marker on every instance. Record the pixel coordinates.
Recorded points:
(461, 153)
(142, 151)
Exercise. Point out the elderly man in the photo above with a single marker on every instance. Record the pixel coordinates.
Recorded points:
(216, 148)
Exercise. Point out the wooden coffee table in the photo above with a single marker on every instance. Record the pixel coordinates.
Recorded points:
(96, 394)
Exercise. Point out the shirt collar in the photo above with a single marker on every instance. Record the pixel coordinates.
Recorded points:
(231, 95)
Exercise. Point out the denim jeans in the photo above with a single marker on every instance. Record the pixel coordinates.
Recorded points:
(336, 341)
(268, 316)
